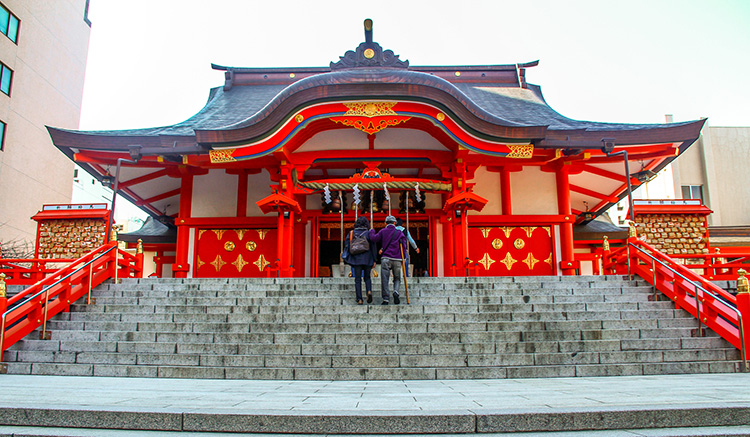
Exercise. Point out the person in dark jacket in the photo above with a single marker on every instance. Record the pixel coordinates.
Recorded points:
(361, 262)
(393, 244)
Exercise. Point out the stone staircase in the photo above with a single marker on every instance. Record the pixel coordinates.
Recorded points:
(311, 329)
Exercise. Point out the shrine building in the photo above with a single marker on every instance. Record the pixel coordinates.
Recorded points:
(263, 180)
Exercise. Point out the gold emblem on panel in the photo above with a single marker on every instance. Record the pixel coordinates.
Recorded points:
(240, 233)
(508, 261)
(497, 243)
(486, 261)
(529, 230)
(506, 230)
(240, 263)
(219, 233)
(200, 262)
(261, 262)
(218, 263)
(229, 246)
(262, 233)
(519, 244)
(485, 231)
(549, 260)
(531, 261)
(251, 246)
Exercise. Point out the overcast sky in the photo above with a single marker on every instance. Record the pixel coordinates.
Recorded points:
(149, 61)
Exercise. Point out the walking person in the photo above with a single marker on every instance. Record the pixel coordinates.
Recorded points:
(392, 243)
(362, 256)
(412, 243)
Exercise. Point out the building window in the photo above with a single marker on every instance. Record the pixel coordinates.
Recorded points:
(6, 77)
(692, 192)
(2, 135)
(8, 24)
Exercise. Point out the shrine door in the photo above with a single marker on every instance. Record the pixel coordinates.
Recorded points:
(512, 251)
(235, 253)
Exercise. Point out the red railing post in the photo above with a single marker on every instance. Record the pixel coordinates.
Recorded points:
(139, 260)
(743, 306)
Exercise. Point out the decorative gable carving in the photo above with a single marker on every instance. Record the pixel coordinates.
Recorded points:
(369, 55)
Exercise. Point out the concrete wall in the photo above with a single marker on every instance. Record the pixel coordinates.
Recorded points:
(718, 163)
(48, 66)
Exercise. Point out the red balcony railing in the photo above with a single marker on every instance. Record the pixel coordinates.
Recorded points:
(714, 307)
(34, 306)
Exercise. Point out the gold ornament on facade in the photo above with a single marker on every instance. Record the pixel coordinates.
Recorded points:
(262, 233)
(440, 116)
(139, 247)
(605, 243)
(219, 233)
(519, 244)
(486, 261)
(240, 233)
(631, 231)
(218, 263)
(508, 261)
(485, 231)
(530, 261)
(547, 229)
(261, 263)
(220, 156)
(201, 263)
(369, 53)
(529, 230)
(229, 246)
(370, 109)
(200, 233)
(522, 151)
(549, 260)
(251, 246)
(240, 263)
(299, 118)
(497, 243)
(506, 230)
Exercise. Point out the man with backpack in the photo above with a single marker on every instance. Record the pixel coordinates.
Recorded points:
(393, 245)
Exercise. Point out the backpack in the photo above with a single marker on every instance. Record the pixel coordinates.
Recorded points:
(358, 244)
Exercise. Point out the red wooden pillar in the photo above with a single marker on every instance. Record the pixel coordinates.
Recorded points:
(567, 263)
(505, 197)
(242, 194)
(181, 266)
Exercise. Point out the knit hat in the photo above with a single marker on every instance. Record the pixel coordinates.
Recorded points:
(390, 219)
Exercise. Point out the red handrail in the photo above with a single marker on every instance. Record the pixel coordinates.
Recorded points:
(34, 306)
(18, 274)
(713, 306)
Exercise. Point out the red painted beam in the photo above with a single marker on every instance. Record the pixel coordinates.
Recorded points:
(592, 193)
(142, 179)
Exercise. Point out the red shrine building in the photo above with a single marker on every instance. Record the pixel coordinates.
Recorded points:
(266, 178)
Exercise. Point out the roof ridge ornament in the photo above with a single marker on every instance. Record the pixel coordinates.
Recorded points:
(369, 54)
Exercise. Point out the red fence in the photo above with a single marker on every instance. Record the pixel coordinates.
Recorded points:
(714, 307)
(35, 305)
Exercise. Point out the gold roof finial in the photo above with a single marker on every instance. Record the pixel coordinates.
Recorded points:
(139, 248)
(631, 230)
(605, 243)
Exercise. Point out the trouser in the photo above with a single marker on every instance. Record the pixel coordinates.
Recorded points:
(358, 270)
(388, 267)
